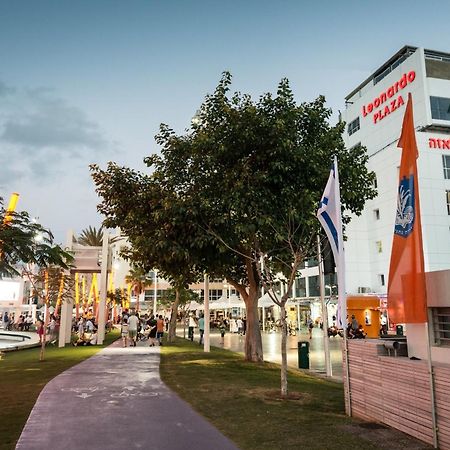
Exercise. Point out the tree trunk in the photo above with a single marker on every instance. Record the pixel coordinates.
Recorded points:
(173, 317)
(253, 341)
(44, 336)
(284, 384)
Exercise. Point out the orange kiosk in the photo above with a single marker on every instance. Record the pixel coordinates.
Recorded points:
(366, 309)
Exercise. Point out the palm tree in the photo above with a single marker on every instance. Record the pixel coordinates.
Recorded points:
(91, 237)
(139, 279)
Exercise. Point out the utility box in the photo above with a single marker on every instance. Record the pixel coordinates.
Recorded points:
(303, 355)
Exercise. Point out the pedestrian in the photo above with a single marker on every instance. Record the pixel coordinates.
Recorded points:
(191, 325)
(244, 325)
(310, 327)
(222, 329)
(133, 322)
(152, 334)
(80, 328)
(52, 330)
(5, 321)
(160, 329)
(89, 326)
(124, 331)
(40, 330)
(28, 323)
(166, 322)
(240, 325)
(355, 324)
(201, 328)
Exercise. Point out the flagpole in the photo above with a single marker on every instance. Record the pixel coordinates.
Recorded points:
(341, 285)
(432, 394)
(326, 347)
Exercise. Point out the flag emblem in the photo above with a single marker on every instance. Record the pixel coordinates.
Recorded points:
(404, 220)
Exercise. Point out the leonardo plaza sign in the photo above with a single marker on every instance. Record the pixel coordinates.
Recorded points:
(389, 100)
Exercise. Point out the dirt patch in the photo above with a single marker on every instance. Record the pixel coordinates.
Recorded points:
(274, 395)
(385, 437)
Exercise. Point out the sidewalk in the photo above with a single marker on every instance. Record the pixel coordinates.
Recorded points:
(116, 400)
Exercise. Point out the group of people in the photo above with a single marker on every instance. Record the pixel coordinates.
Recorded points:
(21, 323)
(194, 322)
(86, 331)
(355, 330)
(133, 327)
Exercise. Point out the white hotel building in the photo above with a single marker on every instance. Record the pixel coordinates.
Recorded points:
(374, 114)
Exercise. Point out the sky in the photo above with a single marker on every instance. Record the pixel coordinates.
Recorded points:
(85, 82)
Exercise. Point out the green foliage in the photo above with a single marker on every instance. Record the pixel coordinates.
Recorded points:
(139, 279)
(185, 297)
(252, 173)
(243, 182)
(23, 241)
(117, 297)
(91, 237)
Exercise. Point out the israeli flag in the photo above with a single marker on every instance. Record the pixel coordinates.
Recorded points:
(330, 217)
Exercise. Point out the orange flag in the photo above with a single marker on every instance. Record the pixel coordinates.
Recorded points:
(407, 301)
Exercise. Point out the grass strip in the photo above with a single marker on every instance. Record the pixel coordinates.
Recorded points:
(243, 400)
(23, 376)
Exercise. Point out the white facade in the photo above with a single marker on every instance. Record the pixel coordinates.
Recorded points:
(380, 103)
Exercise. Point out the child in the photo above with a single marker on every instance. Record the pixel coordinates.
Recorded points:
(124, 331)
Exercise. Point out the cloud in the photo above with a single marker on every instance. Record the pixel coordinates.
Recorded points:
(41, 132)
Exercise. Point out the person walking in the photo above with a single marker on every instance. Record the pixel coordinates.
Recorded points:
(222, 329)
(52, 330)
(240, 326)
(80, 328)
(152, 333)
(5, 321)
(201, 328)
(191, 325)
(160, 329)
(124, 331)
(40, 330)
(133, 322)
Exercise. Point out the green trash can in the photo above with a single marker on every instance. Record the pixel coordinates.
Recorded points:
(399, 330)
(303, 355)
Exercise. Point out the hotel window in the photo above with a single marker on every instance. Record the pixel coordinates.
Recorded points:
(353, 126)
(441, 326)
(446, 165)
(375, 182)
(448, 203)
(440, 108)
(214, 294)
(379, 246)
(376, 214)
(381, 279)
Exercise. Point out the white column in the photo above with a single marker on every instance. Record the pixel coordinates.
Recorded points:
(63, 324)
(206, 346)
(103, 288)
(155, 292)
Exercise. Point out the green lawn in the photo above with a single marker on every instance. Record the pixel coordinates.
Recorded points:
(242, 400)
(22, 377)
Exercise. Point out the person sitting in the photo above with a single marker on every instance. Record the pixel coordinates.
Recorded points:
(350, 332)
(360, 333)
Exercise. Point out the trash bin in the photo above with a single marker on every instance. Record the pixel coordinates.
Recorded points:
(399, 330)
(303, 355)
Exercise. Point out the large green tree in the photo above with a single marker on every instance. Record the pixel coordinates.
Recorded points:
(153, 220)
(243, 183)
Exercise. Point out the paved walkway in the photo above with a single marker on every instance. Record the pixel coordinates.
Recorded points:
(116, 400)
(272, 348)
